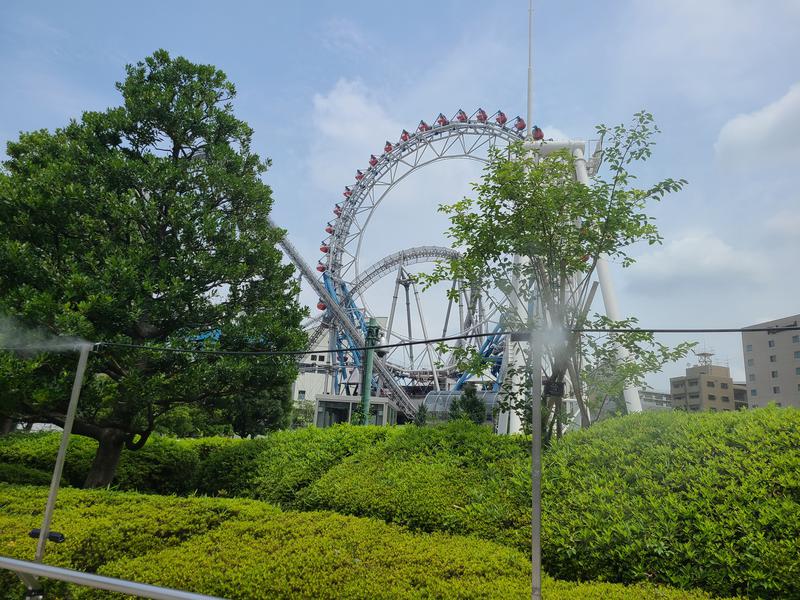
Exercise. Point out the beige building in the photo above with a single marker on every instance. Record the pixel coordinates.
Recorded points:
(704, 387)
(772, 362)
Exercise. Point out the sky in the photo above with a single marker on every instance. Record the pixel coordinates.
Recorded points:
(324, 84)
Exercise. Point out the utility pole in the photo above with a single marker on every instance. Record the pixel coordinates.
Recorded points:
(373, 335)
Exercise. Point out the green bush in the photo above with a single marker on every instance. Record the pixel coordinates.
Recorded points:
(709, 501)
(10, 473)
(454, 477)
(291, 460)
(163, 465)
(243, 549)
(38, 451)
(230, 470)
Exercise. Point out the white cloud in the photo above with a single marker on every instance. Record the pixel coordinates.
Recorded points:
(767, 136)
(785, 223)
(706, 52)
(344, 35)
(697, 259)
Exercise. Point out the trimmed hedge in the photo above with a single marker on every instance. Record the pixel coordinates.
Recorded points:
(10, 473)
(241, 549)
(162, 466)
(291, 460)
(709, 501)
(457, 478)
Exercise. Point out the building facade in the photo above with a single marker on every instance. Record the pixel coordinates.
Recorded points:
(704, 387)
(772, 362)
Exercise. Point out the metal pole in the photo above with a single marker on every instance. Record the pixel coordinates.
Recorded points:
(535, 344)
(98, 582)
(369, 355)
(425, 336)
(529, 122)
(630, 393)
(62, 451)
(406, 283)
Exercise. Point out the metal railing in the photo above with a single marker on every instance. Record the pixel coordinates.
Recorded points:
(28, 572)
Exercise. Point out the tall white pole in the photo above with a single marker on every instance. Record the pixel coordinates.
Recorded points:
(62, 451)
(529, 121)
(631, 394)
(535, 354)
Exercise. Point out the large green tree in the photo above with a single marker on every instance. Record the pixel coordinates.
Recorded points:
(146, 224)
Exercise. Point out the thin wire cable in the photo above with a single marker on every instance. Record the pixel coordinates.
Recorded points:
(451, 338)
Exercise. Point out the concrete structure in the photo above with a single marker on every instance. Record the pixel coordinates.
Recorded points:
(704, 387)
(772, 362)
(654, 401)
(330, 410)
(740, 400)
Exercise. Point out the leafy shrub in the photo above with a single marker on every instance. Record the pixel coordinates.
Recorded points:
(230, 469)
(291, 460)
(163, 465)
(24, 475)
(709, 501)
(243, 549)
(38, 451)
(448, 478)
(102, 526)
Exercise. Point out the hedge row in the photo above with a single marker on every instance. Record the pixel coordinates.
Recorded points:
(709, 501)
(247, 550)
(272, 468)
(458, 478)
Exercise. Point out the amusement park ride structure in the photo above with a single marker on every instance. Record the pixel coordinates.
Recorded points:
(340, 282)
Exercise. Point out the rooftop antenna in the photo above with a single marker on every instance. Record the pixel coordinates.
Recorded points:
(704, 358)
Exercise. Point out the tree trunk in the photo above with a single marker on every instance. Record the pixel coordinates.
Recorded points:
(104, 466)
(6, 425)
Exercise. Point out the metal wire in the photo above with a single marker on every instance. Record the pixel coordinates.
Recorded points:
(515, 336)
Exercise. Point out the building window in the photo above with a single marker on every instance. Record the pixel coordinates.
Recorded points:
(694, 407)
(752, 376)
(677, 384)
(693, 383)
(771, 343)
(776, 389)
(712, 397)
(750, 362)
(712, 409)
(726, 399)
(693, 396)
(709, 384)
(679, 398)
(797, 355)
(774, 374)
(301, 394)
(798, 387)
(773, 358)
(753, 393)
(749, 347)
(723, 385)
(796, 339)
(778, 404)
(797, 370)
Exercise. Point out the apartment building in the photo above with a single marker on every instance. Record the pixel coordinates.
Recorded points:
(704, 387)
(772, 362)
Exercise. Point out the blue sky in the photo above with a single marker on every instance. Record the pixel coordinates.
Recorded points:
(325, 83)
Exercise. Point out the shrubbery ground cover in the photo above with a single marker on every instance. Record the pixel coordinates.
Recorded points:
(710, 500)
(242, 549)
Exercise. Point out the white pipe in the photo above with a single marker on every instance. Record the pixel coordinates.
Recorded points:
(62, 451)
(425, 336)
(631, 394)
(98, 582)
